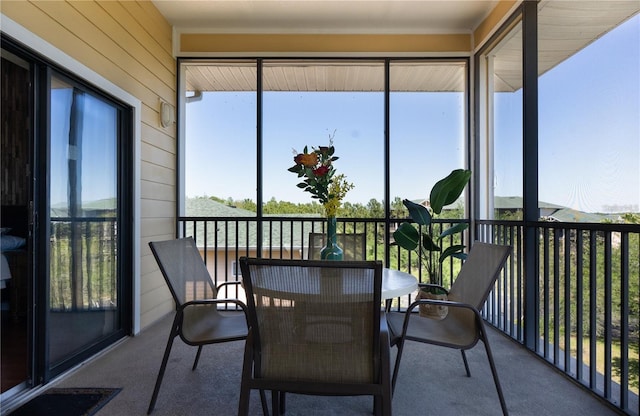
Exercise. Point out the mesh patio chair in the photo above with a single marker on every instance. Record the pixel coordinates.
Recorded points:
(353, 245)
(197, 320)
(463, 326)
(284, 354)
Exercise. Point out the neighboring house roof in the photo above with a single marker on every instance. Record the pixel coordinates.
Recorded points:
(206, 207)
(516, 202)
(425, 202)
(572, 215)
(226, 234)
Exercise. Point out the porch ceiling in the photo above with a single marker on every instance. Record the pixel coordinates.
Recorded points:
(565, 27)
(322, 16)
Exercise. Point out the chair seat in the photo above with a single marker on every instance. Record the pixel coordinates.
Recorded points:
(331, 363)
(455, 330)
(210, 327)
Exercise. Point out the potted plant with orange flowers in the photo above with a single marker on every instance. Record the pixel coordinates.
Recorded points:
(322, 182)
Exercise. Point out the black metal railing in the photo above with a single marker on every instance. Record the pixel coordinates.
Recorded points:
(587, 303)
(586, 308)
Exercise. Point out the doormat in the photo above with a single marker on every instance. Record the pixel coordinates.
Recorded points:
(67, 402)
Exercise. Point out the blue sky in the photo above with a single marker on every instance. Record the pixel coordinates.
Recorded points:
(589, 136)
(98, 148)
(589, 128)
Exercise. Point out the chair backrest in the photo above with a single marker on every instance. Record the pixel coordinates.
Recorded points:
(183, 269)
(479, 273)
(353, 245)
(314, 320)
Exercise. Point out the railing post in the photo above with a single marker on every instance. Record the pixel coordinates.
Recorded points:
(530, 167)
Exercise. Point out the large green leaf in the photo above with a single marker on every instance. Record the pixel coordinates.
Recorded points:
(455, 251)
(453, 230)
(428, 244)
(406, 236)
(418, 213)
(447, 190)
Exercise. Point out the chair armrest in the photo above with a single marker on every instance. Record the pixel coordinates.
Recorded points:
(384, 330)
(214, 302)
(448, 303)
(235, 283)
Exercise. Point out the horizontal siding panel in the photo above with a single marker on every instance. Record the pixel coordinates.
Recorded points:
(158, 156)
(145, 252)
(141, 63)
(155, 315)
(106, 53)
(38, 22)
(147, 261)
(152, 131)
(157, 227)
(162, 138)
(150, 47)
(153, 280)
(150, 281)
(154, 285)
(156, 190)
(156, 173)
(42, 25)
(154, 208)
(159, 303)
(154, 22)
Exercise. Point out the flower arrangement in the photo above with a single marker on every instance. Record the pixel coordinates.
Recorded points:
(320, 179)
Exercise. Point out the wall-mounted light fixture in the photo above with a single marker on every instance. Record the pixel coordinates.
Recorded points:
(167, 114)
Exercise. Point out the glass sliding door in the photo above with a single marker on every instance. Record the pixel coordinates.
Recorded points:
(85, 288)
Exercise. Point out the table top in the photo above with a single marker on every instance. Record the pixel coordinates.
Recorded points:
(397, 283)
(394, 283)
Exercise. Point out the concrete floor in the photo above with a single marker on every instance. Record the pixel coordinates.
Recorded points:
(431, 381)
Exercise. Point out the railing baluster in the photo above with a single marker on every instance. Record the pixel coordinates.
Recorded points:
(593, 304)
(567, 301)
(546, 293)
(608, 336)
(624, 320)
(579, 305)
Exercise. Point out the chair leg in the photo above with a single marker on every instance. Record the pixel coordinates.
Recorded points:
(245, 395)
(397, 365)
(275, 402)
(282, 403)
(245, 383)
(195, 362)
(466, 363)
(494, 371)
(263, 400)
(163, 366)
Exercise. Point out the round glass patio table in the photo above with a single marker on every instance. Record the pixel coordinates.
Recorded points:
(397, 283)
(394, 283)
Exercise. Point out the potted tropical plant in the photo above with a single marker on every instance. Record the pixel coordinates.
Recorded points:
(417, 236)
